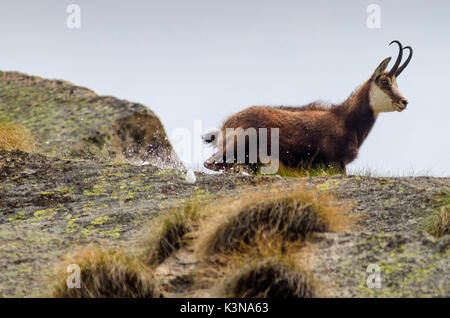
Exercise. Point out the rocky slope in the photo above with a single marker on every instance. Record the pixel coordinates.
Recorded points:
(72, 121)
(49, 206)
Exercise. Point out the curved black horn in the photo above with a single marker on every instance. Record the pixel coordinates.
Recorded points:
(401, 68)
(399, 58)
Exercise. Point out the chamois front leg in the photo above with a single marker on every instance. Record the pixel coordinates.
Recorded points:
(350, 154)
(338, 166)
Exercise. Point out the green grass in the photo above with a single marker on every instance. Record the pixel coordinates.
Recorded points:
(314, 171)
(320, 170)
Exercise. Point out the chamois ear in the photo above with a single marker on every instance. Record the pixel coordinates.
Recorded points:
(381, 68)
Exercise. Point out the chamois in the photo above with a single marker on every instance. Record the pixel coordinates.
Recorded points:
(317, 134)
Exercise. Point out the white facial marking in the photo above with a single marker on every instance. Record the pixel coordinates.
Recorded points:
(379, 100)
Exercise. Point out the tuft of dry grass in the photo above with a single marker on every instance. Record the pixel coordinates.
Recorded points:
(273, 277)
(106, 274)
(438, 224)
(291, 213)
(15, 137)
(167, 233)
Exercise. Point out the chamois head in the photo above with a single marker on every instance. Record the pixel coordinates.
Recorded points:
(384, 95)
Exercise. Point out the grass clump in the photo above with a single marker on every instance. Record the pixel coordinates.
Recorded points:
(15, 137)
(438, 224)
(168, 232)
(319, 170)
(270, 278)
(106, 274)
(290, 213)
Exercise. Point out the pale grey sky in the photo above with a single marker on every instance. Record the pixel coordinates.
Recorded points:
(206, 59)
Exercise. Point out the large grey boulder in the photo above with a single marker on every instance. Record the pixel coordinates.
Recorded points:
(72, 121)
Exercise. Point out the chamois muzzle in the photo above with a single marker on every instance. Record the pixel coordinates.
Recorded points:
(404, 102)
(401, 105)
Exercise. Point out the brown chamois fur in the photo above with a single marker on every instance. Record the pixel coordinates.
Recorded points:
(319, 134)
